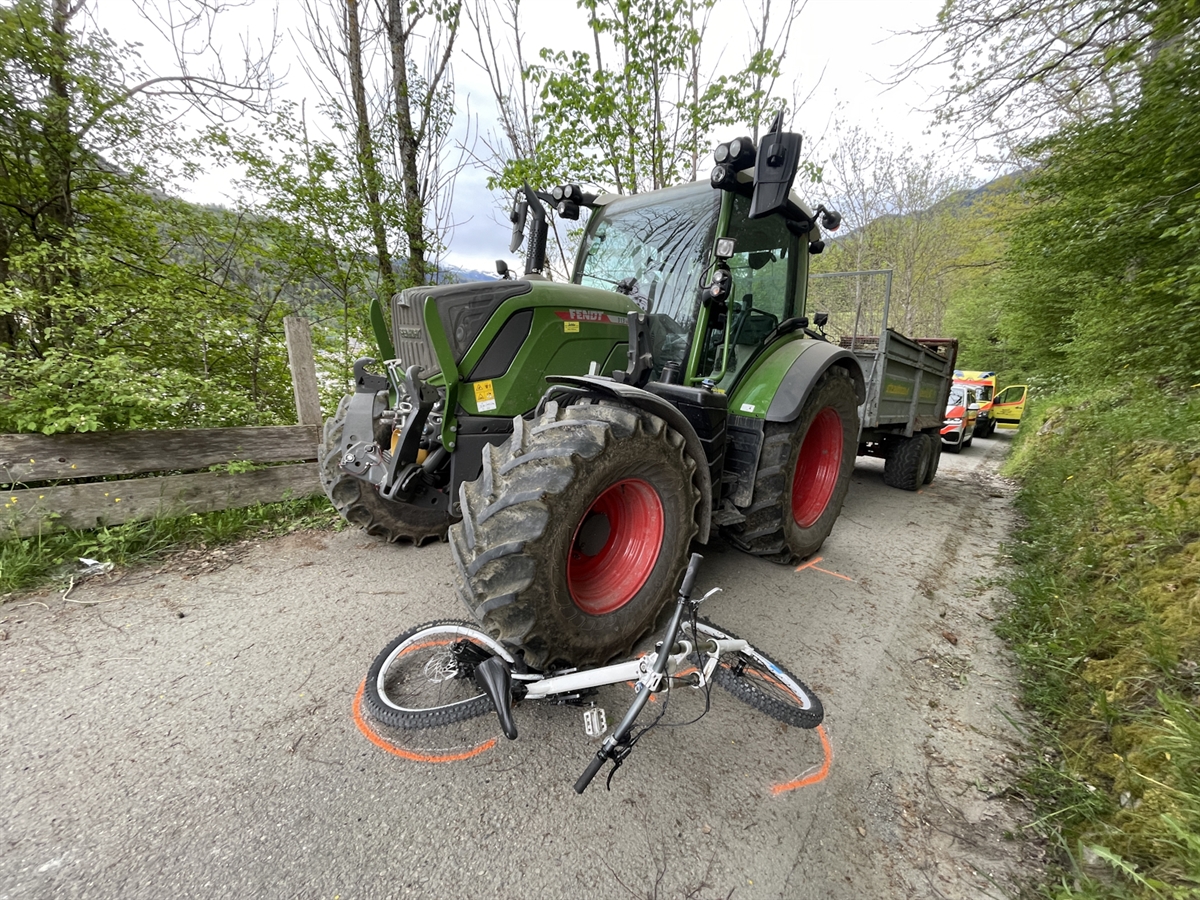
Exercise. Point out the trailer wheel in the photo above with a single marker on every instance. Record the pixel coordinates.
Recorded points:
(359, 502)
(576, 532)
(906, 465)
(803, 474)
(935, 458)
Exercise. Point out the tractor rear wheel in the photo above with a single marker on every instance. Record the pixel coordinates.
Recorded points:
(576, 532)
(359, 502)
(803, 474)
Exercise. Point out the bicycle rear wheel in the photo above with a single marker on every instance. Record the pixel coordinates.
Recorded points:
(426, 676)
(756, 679)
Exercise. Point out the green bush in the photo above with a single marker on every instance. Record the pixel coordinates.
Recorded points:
(1106, 626)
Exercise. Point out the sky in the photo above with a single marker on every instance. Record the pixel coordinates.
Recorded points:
(843, 52)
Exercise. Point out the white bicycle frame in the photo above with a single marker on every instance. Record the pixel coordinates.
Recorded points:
(640, 671)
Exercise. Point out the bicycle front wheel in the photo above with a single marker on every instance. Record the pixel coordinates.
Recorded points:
(756, 679)
(426, 676)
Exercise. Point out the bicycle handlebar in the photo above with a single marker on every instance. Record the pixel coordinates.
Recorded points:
(590, 772)
(689, 578)
(660, 667)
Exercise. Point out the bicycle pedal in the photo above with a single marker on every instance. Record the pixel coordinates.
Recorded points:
(595, 722)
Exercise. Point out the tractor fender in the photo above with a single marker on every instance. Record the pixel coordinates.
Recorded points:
(601, 386)
(803, 375)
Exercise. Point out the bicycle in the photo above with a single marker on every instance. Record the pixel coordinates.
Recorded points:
(449, 671)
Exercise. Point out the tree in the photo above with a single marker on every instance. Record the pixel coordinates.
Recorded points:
(1020, 68)
(399, 122)
(902, 211)
(634, 113)
(304, 191)
(1103, 281)
(97, 305)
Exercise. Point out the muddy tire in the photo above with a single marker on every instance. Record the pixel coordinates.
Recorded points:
(577, 532)
(906, 465)
(803, 474)
(935, 458)
(359, 502)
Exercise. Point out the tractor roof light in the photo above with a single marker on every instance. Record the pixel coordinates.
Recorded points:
(738, 153)
(724, 177)
(572, 193)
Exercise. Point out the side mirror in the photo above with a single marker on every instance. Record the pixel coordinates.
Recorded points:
(831, 219)
(502, 268)
(519, 212)
(774, 170)
(821, 319)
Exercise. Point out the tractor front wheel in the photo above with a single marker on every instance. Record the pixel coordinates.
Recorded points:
(359, 502)
(576, 532)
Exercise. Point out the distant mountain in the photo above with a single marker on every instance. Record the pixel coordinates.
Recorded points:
(456, 275)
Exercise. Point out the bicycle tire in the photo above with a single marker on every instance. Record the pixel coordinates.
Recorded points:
(417, 681)
(756, 679)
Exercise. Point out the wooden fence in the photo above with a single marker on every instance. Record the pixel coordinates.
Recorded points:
(27, 460)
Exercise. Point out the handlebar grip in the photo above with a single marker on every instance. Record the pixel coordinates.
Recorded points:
(689, 577)
(590, 772)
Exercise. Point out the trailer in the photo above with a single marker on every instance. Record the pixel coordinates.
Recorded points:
(907, 379)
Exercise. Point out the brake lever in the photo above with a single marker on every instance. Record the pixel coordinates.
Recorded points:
(695, 604)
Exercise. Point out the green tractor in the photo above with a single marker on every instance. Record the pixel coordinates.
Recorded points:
(687, 394)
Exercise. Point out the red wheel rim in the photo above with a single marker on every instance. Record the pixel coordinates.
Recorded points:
(615, 546)
(817, 467)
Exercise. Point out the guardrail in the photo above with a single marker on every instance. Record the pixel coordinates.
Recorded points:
(31, 458)
(33, 466)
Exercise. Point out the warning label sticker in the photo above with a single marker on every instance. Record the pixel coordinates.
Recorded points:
(485, 396)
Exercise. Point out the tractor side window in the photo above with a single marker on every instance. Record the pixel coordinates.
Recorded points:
(760, 267)
(761, 270)
(662, 240)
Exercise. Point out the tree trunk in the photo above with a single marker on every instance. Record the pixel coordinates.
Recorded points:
(411, 136)
(406, 139)
(366, 148)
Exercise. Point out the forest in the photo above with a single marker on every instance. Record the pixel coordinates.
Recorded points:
(1077, 272)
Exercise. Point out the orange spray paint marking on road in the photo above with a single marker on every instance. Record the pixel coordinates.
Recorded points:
(384, 744)
(815, 777)
(812, 564)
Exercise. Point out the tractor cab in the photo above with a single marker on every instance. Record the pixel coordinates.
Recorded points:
(718, 273)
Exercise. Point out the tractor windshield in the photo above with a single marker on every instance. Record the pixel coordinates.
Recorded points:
(662, 240)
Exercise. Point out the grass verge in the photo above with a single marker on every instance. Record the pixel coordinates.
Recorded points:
(1106, 625)
(27, 563)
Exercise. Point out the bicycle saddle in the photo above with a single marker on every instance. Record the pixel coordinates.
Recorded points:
(495, 678)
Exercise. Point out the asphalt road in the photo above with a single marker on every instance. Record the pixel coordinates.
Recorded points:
(190, 731)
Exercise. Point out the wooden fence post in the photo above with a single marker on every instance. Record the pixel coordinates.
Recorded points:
(304, 370)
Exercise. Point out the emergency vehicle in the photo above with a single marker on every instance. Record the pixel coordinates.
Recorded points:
(984, 386)
(962, 411)
(1008, 406)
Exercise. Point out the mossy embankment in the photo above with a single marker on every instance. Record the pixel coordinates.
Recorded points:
(1106, 624)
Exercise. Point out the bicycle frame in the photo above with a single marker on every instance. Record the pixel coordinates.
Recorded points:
(641, 671)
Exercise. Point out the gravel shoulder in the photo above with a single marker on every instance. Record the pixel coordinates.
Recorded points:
(189, 730)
